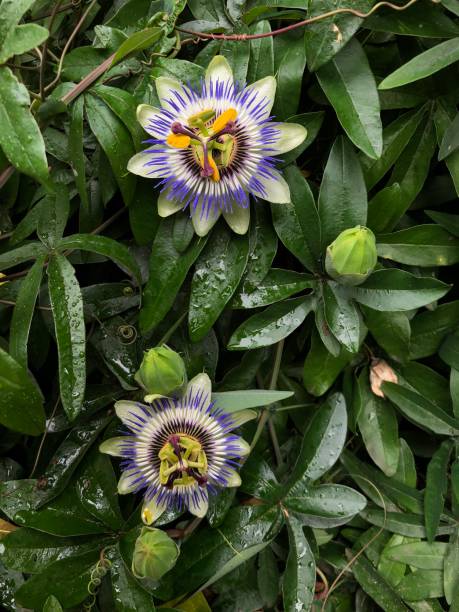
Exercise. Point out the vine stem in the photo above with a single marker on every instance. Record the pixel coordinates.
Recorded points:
(172, 329)
(272, 385)
(300, 24)
(45, 49)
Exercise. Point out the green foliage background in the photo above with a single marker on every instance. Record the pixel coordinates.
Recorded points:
(349, 501)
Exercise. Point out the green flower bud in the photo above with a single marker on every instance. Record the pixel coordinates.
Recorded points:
(155, 553)
(161, 372)
(352, 256)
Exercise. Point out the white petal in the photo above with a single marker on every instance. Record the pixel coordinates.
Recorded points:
(238, 219)
(128, 482)
(266, 88)
(202, 224)
(200, 383)
(165, 88)
(242, 416)
(275, 189)
(167, 207)
(219, 69)
(234, 480)
(291, 135)
(131, 413)
(114, 446)
(152, 510)
(198, 508)
(146, 114)
(138, 165)
(238, 448)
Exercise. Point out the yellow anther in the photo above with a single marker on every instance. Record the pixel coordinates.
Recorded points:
(178, 141)
(213, 165)
(147, 516)
(222, 120)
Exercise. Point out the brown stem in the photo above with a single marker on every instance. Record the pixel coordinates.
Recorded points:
(299, 24)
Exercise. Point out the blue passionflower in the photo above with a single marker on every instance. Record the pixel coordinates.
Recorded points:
(213, 146)
(178, 450)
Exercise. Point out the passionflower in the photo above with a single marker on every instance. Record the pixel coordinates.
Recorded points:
(214, 145)
(178, 450)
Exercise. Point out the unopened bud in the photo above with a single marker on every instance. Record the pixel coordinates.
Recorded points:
(161, 372)
(155, 553)
(352, 256)
(380, 372)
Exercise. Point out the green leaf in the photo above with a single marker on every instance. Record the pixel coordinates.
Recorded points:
(406, 468)
(233, 401)
(263, 248)
(450, 140)
(430, 327)
(410, 525)
(210, 554)
(23, 312)
(123, 104)
(77, 162)
(12, 258)
(31, 551)
(449, 350)
(396, 136)
(448, 222)
(21, 39)
(436, 488)
(272, 325)
(325, 38)
(116, 142)
(423, 555)
(343, 195)
(52, 605)
(54, 215)
(168, 270)
(424, 64)
(97, 490)
(238, 58)
(422, 584)
(21, 403)
(20, 136)
(217, 274)
(342, 316)
(277, 285)
(378, 425)
(307, 215)
(321, 368)
(421, 245)
(322, 443)
(11, 13)
(67, 306)
(81, 61)
(289, 77)
(392, 289)
(421, 411)
(391, 330)
(376, 587)
(143, 39)
(312, 122)
(268, 577)
(350, 86)
(66, 579)
(450, 568)
(178, 69)
(425, 19)
(298, 585)
(325, 506)
(128, 594)
(444, 115)
(261, 62)
(108, 247)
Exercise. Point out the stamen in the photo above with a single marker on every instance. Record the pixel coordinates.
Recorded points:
(222, 120)
(215, 171)
(178, 141)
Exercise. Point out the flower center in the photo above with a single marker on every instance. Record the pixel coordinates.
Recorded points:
(211, 143)
(183, 462)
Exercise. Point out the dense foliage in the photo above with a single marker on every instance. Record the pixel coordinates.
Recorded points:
(349, 498)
